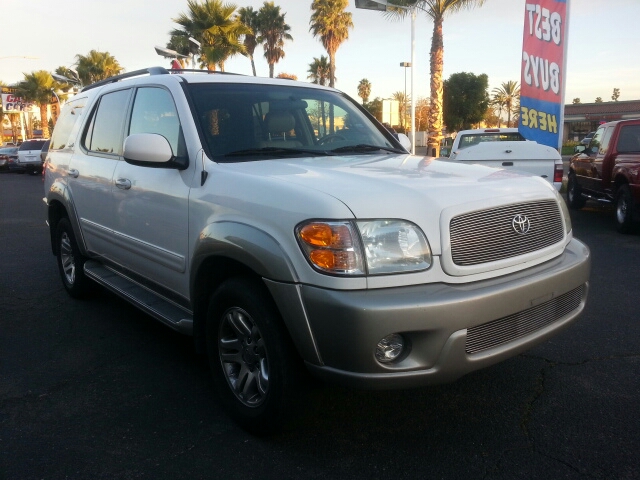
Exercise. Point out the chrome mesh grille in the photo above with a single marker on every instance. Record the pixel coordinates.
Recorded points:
(488, 235)
(507, 329)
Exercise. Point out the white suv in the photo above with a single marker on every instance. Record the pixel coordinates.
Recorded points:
(29, 156)
(280, 225)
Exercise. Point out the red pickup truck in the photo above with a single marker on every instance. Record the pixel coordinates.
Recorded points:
(608, 171)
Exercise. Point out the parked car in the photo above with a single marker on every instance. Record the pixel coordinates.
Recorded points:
(469, 138)
(29, 156)
(506, 148)
(9, 158)
(587, 138)
(282, 226)
(608, 171)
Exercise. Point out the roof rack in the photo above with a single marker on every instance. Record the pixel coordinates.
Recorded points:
(122, 76)
(150, 71)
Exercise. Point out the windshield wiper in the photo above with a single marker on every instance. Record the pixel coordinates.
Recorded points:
(271, 151)
(363, 148)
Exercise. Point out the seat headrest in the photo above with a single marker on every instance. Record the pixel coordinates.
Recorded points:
(278, 122)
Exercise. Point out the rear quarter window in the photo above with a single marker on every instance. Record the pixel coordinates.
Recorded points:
(69, 118)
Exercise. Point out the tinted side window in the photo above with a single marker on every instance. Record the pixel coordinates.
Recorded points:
(594, 145)
(154, 112)
(629, 141)
(105, 131)
(604, 143)
(71, 113)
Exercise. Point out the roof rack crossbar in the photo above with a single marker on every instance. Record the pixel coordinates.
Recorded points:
(122, 76)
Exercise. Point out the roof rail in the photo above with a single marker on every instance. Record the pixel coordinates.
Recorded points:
(122, 76)
(195, 70)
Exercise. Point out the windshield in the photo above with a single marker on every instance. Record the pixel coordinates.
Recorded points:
(250, 121)
(476, 138)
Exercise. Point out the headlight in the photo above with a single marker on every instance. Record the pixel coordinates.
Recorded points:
(389, 246)
(394, 246)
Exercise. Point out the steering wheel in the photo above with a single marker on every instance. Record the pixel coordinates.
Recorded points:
(332, 137)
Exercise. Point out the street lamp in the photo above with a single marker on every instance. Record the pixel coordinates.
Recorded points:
(381, 6)
(167, 53)
(404, 110)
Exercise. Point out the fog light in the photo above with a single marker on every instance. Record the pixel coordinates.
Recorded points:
(389, 348)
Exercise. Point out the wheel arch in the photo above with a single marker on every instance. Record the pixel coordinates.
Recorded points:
(60, 205)
(232, 249)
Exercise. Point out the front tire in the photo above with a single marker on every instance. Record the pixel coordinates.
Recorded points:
(70, 261)
(624, 210)
(574, 193)
(251, 356)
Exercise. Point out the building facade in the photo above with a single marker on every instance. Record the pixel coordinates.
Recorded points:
(582, 118)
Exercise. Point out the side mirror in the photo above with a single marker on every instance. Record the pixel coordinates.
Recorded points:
(151, 150)
(579, 149)
(445, 152)
(147, 148)
(404, 141)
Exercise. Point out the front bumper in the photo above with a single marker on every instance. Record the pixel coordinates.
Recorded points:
(520, 310)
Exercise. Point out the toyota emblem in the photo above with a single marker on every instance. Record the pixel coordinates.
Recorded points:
(521, 224)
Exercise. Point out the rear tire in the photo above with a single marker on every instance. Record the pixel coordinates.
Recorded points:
(70, 261)
(575, 200)
(624, 210)
(253, 362)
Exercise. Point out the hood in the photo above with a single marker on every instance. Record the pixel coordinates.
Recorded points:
(413, 188)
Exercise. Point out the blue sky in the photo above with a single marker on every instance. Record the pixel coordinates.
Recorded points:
(603, 42)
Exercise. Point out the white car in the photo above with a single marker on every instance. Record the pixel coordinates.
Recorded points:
(282, 226)
(29, 156)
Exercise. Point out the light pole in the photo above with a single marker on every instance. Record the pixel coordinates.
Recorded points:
(404, 109)
(382, 6)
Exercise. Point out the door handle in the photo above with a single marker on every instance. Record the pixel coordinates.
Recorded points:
(123, 183)
(74, 173)
(507, 164)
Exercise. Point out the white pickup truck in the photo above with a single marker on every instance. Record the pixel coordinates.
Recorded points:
(505, 148)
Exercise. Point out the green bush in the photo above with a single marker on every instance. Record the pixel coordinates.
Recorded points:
(567, 147)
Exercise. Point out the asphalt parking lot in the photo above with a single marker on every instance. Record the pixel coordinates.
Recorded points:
(94, 389)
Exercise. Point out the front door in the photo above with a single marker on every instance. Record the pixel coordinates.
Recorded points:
(151, 205)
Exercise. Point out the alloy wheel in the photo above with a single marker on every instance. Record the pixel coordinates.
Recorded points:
(243, 356)
(67, 259)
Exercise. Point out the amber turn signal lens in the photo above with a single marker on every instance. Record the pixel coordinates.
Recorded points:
(326, 235)
(318, 234)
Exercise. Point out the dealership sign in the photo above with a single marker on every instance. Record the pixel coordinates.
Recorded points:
(14, 104)
(544, 58)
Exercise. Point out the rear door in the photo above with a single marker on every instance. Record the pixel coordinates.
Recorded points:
(91, 170)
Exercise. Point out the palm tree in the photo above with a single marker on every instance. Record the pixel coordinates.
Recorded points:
(436, 10)
(217, 28)
(498, 101)
(319, 70)
(249, 18)
(96, 66)
(401, 98)
(364, 90)
(273, 31)
(36, 87)
(331, 24)
(509, 92)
